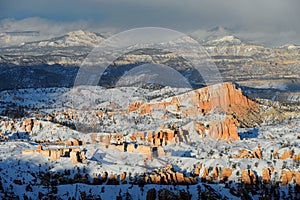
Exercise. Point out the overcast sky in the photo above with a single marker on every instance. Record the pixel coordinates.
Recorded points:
(276, 20)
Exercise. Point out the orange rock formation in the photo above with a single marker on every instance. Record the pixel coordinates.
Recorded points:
(74, 153)
(249, 177)
(221, 97)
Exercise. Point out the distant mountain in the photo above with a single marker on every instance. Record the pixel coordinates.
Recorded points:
(237, 59)
(224, 41)
(34, 38)
(69, 49)
(212, 36)
(75, 38)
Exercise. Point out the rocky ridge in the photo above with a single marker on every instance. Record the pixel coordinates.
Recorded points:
(236, 61)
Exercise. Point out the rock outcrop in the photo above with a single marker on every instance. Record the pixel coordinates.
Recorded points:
(28, 125)
(249, 177)
(224, 129)
(226, 173)
(74, 142)
(220, 98)
(167, 175)
(74, 153)
(216, 174)
(223, 97)
(243, 153)
(266, 175)
(288, 175)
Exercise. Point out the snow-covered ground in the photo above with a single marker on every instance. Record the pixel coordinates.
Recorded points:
(26, 175)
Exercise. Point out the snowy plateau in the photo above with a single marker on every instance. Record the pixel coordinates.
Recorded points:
(239, 139)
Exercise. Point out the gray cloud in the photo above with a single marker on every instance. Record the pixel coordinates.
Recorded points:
(261, 18)
(42, 25)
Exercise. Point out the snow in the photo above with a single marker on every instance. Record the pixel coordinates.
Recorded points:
(185, 155)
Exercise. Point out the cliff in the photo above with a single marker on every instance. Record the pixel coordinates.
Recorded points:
(223, 98)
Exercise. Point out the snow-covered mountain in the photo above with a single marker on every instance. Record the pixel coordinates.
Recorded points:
(75, 38)
(224, 41)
